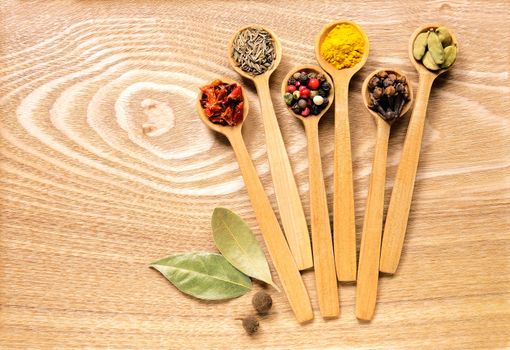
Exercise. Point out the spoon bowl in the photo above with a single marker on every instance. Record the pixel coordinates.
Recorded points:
(366, 94)
(417, 64)
(277, 47)
(328, 67)
(224, 129)
(314, 69)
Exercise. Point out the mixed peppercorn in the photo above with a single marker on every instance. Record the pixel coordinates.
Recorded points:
(307, 93)
(222, 103)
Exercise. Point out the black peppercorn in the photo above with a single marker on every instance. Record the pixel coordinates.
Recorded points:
(291, 81)
(322, 93)
(262, 302)
(325, 86)
(295, 108)
(250, 325)
(303, 79)
(325, 102)
(315, 109)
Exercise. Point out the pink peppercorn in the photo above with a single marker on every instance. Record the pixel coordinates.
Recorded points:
(305, 112)
(291, 88)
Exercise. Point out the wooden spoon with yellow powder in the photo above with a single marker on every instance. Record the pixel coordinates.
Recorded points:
(341, 49)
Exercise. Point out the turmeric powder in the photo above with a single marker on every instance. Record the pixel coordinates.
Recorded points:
(343, 46)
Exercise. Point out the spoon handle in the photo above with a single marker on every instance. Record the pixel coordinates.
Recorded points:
(402, 193)
(287, 195)
(368, 269)
(273, 236)
(344, 227)
(323, 259)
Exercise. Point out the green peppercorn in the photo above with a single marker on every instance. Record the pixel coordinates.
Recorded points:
(296, 94)
(288, 98)
(296, 75)
(313, 93)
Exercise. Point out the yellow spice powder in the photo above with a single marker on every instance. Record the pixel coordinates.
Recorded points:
(344, 46)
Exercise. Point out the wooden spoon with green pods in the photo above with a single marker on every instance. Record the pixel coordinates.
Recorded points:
(401, 196)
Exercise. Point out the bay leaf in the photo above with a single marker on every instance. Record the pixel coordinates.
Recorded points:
(206, 276)
(238, 245)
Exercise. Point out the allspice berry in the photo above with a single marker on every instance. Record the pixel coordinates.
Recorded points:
(262, 302)
(250, 325)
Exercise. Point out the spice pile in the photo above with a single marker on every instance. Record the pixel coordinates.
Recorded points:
(343, 46)
(388, 94)
(262, 303)
(435, 49)
(307, 93)
(253, 50)
(222, 103)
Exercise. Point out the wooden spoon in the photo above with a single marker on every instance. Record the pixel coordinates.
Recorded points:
(287, 195)
(368, 269)
(323, 258)
(273, 236)
(401, 196)
(344, 226)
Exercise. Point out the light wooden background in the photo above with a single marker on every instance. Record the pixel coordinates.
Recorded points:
(88, 200)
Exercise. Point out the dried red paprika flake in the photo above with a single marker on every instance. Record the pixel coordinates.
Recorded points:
(222, 102)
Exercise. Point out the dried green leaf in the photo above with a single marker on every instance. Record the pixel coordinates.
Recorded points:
(206, 276)
(239, 246)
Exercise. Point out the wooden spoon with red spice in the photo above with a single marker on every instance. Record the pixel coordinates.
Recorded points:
(273, 235)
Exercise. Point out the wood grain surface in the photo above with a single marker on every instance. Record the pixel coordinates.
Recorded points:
(88, 199)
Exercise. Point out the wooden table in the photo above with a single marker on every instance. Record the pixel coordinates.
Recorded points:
(88, 200)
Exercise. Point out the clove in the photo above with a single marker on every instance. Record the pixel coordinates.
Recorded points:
(388, 93)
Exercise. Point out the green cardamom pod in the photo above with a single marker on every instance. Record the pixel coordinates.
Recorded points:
(450, 53)
(420, 45)
(435, 48)
(429, 62)
(444, 36)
